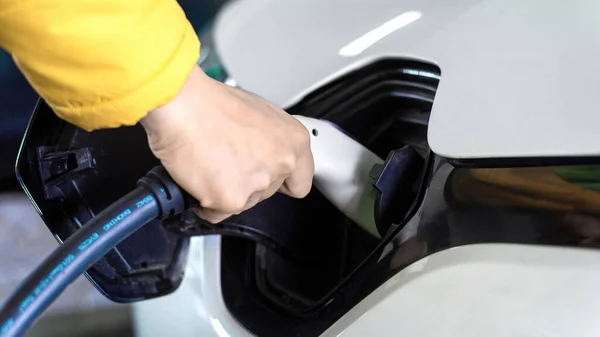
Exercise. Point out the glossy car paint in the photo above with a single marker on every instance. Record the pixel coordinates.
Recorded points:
(515, 83)
(197, 307)
(488, 290)
(517, 75)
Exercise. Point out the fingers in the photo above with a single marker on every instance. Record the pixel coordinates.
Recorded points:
(211, 215)
(299, 182)
(269, 191)
(254, 199)
(297, 185)
(215, 216)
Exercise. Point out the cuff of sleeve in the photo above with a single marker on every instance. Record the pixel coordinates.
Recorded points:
(130, 109)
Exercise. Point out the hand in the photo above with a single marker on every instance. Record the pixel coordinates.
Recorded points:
(228, 148)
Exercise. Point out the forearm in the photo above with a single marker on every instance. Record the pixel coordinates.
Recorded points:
(100, 63)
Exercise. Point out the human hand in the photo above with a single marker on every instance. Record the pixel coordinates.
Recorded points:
(228, 148)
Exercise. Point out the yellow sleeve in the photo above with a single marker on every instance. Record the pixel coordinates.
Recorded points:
(100, 63)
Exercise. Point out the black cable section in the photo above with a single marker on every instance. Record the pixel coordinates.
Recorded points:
(156, 197)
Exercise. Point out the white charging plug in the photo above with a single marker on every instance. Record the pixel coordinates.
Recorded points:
(342, 168)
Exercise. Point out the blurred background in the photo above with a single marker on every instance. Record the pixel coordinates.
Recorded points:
(25, 238)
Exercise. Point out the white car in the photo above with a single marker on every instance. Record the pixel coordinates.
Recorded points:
(495, 236)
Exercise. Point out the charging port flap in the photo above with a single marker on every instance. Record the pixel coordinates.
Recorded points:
(71, 175)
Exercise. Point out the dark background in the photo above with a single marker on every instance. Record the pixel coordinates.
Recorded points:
(17, 98)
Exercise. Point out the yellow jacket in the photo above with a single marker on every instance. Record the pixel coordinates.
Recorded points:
(100, 63)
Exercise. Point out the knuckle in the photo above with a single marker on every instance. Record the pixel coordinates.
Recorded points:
(300, 133)
(288, 162)
(232, 202)
(263, 182)
(303, 136)
(207, 202)
(210, 218)
(213, 219)
(206, 215)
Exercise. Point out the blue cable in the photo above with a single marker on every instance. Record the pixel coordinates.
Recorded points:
(156, 197)
(74, 257)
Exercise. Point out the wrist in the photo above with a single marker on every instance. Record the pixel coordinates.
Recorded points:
(174, 110)
(153, 118)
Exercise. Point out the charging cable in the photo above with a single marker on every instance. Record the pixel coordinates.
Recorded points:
(156, 197)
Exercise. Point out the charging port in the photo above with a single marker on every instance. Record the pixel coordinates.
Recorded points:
(386, 108)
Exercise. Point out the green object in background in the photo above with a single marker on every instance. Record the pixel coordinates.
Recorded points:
(209, 60)
(215, 72)
(587, 177)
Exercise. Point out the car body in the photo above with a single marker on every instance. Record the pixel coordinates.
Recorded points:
(514, 101)
(497, 219)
